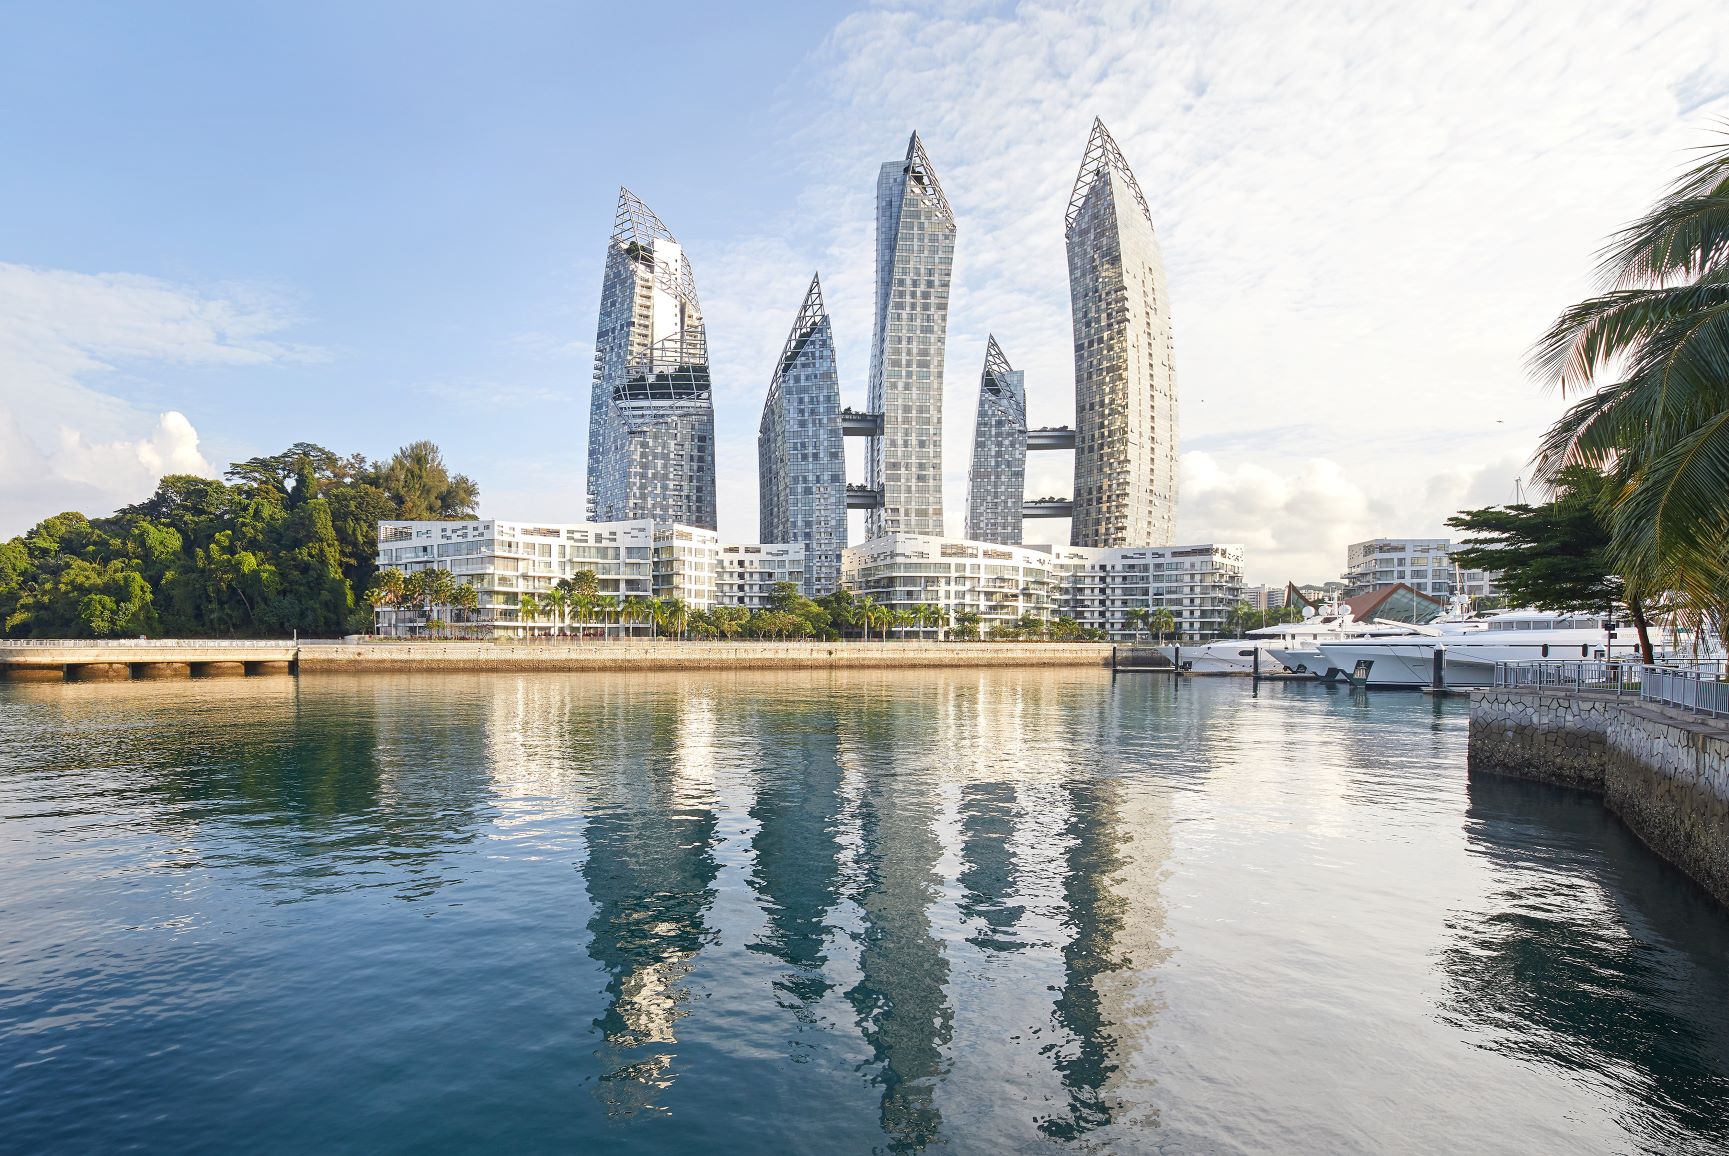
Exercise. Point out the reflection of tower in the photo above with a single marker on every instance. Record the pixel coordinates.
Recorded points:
(988, 817)
(650, 872)
(901, 998)
(797, 852)
(1118, 843)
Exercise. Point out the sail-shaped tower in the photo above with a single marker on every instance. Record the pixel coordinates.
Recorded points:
(915, 257)
(996, 482)
(801, 458)
(1125, 383)
(651, 410)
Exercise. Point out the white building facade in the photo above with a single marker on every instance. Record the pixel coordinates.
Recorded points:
(746, 574)
(1094, 586)
(503, 560)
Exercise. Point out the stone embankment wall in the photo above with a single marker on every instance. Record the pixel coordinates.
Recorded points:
(1666, 773)
(648, 655)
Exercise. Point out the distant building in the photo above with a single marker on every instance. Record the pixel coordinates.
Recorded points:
(996, 482)
(651, 407)
(1095, 586)
(915, 258)
(1125, 381)
(1426, 564)
(801, 455)
(503, 560)
(1264, 597)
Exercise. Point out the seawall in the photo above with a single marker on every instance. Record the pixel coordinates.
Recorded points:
(648, 654)
(1664, 772)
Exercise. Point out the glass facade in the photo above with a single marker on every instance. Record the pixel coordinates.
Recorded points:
(1125, 381)
(915, 256)
(651, 411)
(801, 458)
(996, 482)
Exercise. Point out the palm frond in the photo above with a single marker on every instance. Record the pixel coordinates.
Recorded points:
(1596, 331)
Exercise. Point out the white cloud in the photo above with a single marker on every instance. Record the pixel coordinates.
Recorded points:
(1368, 213)
(64, 443)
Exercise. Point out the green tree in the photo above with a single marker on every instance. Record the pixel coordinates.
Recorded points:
(1557, 555)
(423, 487)
(1162, 622)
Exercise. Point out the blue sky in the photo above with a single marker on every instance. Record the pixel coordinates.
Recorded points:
(226, 227)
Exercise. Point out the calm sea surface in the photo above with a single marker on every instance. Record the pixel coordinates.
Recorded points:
(967, 912)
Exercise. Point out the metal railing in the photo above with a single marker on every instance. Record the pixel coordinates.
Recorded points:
(1697, 687)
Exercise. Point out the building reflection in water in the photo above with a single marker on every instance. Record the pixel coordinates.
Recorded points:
(894, 827)
(900, 1001)
(797, 848)
(650, 872)
(1573, 964)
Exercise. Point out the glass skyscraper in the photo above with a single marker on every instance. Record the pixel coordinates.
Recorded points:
(651, 413)
(915, 254)
(997, 480)
(1125, 383)
(801, 459)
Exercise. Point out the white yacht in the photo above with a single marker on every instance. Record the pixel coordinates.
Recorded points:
(1292, 646)
(1471, 648)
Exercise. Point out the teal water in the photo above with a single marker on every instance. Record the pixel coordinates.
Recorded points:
(961, 912)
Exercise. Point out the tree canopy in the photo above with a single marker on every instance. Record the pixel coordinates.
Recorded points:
(284, 544)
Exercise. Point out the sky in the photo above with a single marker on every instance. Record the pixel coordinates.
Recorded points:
(227, 228)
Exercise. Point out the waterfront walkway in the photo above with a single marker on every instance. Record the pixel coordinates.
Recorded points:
(42, 660)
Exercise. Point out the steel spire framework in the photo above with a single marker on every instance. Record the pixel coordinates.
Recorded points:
(801, 456)
(1125, 382)
(651, 412)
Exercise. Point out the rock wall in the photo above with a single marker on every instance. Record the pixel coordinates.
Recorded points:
(1665, 773)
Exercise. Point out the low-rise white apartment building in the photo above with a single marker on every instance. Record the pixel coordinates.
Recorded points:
(504, 560)
(1425, 564)
(746, 573)
(1094, 586)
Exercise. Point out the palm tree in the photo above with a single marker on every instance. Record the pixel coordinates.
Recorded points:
(527, 609)
(606, 605)
(1136, 618)
(1662, 324)
(438, 587)
(967, 624)
(1162, 622)
(878, 616)
(675, 616)
(557, 604)
(466, 599)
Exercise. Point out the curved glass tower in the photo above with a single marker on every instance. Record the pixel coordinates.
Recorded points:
(915, 255)
(996, 482)
(801, 459)
(1125, 381)
(651, 412)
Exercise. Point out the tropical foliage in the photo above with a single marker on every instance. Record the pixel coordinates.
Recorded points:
(283, 544)
(1650, 354)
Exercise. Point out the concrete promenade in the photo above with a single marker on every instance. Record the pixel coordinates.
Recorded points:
(648, 654)
(1664, 771)
(45, 660)
(75, 660)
